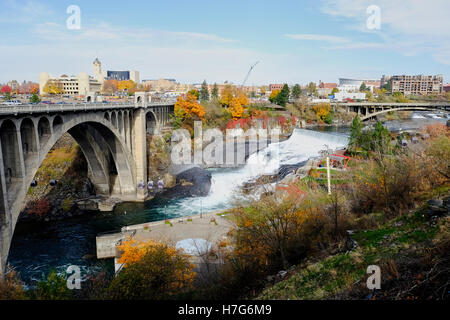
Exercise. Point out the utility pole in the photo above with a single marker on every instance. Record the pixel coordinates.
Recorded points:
(328, 175)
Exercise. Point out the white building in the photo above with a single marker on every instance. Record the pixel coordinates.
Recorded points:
(74, 85)
(341, 96)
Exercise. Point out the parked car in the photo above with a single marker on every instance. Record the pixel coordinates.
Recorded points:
(12, 102)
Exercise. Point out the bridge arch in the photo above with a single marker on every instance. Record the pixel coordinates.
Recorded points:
(152, 122)
(44, 130)
(57, 122)
(369, 116)
(120, 121)
(29, 139)
(9, 139)
(114, 119)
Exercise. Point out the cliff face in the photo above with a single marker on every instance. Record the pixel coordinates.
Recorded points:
(158, 160)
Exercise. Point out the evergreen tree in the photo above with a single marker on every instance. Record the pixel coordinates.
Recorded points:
(355, 134)
(204, 92)
(283, 97)
(215, 92)
(363, 87)
(381, 139)
(296, 91)
(35, 98)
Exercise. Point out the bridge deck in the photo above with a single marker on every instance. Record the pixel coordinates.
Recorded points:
(47, 108)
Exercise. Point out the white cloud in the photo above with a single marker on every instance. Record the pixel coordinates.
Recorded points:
(410, 27)
(317, 37)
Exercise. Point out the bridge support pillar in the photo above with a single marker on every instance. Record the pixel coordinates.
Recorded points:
(140, 152)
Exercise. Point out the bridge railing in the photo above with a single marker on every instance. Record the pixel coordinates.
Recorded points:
(47, 108)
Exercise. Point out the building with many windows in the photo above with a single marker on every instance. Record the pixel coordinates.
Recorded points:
(415, 85)
(83, 83)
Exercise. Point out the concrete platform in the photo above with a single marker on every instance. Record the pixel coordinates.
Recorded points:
(211, 227)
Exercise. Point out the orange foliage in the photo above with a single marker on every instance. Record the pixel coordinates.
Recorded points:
(187, 107)
(436, 129)
(236, 108)
(235, 99)
(110, 86)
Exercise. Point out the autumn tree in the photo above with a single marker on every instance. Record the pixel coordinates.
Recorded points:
(273, 95)
(204, 92)
(127, 85)
(152, 270)
(110, 86)
(235, 99)
(227, 95)
(53, 87)
(236, 108)
(6, 90)
(187, 107)
(322, 110)
(195, 93)
(263, 90)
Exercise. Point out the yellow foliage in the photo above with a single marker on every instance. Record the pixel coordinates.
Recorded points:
(128, 85)
(186, 107)
(242, 97)
(274, 94)
(322, 110)
(227, 95)
(231, 94)
(152, 270)
(53, 87)
(236, 108)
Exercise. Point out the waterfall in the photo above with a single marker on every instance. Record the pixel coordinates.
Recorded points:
(302, 145)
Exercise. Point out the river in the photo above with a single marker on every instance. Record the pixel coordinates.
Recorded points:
(39, 248)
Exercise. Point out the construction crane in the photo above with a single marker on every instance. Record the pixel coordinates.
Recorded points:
(248, 74)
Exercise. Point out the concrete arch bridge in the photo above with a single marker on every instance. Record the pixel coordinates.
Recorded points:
(112, 138)
(370, 110)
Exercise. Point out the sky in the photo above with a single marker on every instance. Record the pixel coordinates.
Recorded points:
(191, 41)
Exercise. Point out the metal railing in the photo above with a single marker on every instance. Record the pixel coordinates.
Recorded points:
(47, 108)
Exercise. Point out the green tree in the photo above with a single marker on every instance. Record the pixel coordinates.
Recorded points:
(215, 92)
(329, 118)
(283, 97)
(335, 90)
(381, 139)
(35, 98)
(363, 87)
(355, 134)
(296, 91)
(53, 288)
(204, 92)
(388, 86)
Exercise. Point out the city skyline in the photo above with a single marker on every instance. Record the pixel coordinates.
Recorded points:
(295, 42)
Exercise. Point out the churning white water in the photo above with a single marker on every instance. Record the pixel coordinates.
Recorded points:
(302, 145)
